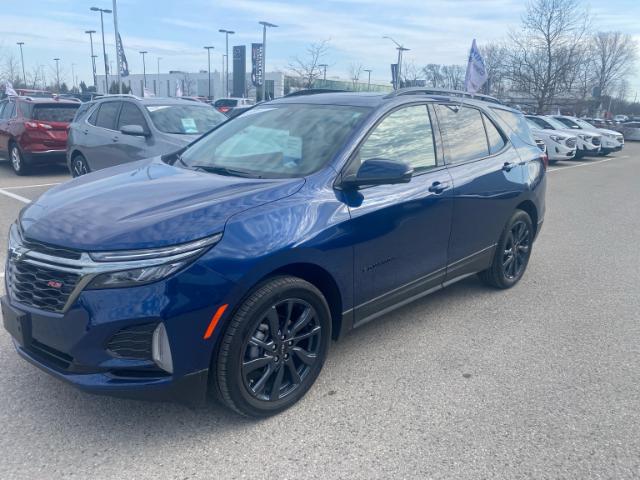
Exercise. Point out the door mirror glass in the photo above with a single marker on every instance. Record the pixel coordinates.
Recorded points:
(135, 130)
(379, 171)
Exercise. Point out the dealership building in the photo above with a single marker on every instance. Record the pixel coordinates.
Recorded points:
(195, 84)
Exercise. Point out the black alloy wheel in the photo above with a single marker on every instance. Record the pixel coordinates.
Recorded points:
(273, 348)
(512, 252)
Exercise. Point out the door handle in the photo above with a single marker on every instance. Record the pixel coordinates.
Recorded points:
(438, 187)
(508, 166)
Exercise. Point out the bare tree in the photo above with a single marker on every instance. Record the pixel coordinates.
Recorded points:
(547, 50)
(355, 70)
(453, 76)
(433, 76)
(614, 56)
(411, 74)
(495, 57)
(308, 68)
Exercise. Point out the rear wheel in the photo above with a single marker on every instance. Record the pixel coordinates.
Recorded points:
(274, 347)
(17, 160)
(512, 254)
(79, 165)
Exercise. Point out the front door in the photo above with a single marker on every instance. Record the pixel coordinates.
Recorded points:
(401, 231)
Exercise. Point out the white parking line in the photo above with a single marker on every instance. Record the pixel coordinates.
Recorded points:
(14, 196)
(13, 187)
(586, 164)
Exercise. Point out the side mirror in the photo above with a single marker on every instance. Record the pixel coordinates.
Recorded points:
(379, 171)
(135, 130)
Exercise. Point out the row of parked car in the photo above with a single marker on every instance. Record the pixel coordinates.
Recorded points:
(568, 137)
(106, 131)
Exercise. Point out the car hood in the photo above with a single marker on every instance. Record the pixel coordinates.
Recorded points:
(545, 133)
(144, 204)
(608, 132)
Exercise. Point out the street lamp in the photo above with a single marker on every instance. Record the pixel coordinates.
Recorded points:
(104, 49)
(208, 49)
(226, 34)
(369, 80)
(264, 54)
(24, 76)
(144, 69)
(57, 74)
(158, 88)
(400, 49)
(324, 73)
(93, 58)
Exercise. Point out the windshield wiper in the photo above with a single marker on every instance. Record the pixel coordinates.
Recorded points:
(232, 172)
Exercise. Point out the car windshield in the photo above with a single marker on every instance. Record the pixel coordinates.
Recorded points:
(555, 123)
(275, 141)
(584, 124)
(55, 113)
(536, 124)
(184, 119)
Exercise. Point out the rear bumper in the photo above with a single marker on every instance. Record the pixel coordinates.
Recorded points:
(45, 156)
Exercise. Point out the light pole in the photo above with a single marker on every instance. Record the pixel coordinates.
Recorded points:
(93, 58)
(118, 46)
(144, 68)
(369, 80)
(24, 76)
(208, 49)
(226, 34)
(57, 74)
(400, 49)
(324, 72)
(154, 90)
(264, 54)
(73, 76)
(104, 49)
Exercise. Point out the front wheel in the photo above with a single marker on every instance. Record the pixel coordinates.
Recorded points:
(512, 253)
(79, 166)
(274, 347)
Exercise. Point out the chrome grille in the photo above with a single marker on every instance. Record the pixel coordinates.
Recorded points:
(571, 142)
(40, 287)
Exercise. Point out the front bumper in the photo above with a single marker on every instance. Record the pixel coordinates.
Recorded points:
(76, 346)
(561, 152)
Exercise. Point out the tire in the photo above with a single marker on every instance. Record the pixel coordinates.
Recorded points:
(553, 162)
(253, 358)
(506, 268)
(79, 166)
(20, 167)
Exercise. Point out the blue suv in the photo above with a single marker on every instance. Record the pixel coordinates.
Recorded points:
(229, 266)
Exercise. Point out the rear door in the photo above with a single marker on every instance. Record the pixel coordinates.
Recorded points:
(488, 179)
(6, 119)
(3, 142)
(101, 149)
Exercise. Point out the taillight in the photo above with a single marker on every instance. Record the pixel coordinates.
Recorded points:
(224, 109)
(37, 126)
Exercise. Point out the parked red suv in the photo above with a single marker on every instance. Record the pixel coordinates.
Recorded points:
(34, 130)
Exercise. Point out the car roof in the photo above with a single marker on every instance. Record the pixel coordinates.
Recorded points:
(376, 99)
(40, 100)
(149, 100)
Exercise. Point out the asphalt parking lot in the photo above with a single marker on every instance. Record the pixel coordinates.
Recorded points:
(541, 381)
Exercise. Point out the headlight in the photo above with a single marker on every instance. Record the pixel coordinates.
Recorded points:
(556, 138)
(127, 268)
(138, 276)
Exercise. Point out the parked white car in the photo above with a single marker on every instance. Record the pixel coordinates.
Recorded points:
(560, 145)
(621, 118)
(587, 144)
(612, 141)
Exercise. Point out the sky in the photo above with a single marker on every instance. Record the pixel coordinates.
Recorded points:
(435, 31)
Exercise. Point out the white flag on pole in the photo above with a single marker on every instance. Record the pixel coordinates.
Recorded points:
(476, 72)
(8, 89)
(178, 89)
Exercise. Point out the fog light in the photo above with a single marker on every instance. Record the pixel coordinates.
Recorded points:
(160, 349)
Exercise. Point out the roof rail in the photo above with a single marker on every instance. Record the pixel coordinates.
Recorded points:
(441, 91)
(313, 91)
(126, 95)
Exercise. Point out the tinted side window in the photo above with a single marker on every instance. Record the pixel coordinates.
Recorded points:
(94, 115)
(496, 142)
(405, 136)
(107, 115)
(462, 132)
(131, 115)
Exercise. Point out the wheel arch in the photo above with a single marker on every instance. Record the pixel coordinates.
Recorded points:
(323, 281)
(530, 207)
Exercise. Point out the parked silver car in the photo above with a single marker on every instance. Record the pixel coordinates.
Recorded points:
(123, 128)
(631, 130)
